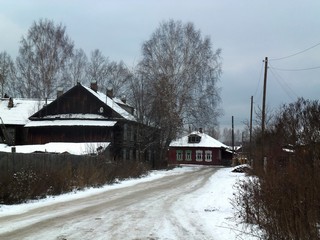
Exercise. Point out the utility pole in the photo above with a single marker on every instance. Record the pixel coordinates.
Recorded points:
(232, 137)
(250, 137)
(263, 119)
(264, 96)
(2, 83)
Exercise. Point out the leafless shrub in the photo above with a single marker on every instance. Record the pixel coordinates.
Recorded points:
(28, 184)
(283, 200)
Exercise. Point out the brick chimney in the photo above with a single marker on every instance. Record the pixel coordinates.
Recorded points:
(110, 92)
(10, 103)
(200, 130)
(94, 86)
(59, 91)
(124, 99)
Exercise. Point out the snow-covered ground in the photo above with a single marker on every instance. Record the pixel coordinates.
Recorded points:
(208, 207)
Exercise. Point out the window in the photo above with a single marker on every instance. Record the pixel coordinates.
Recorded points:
(124, 154)
(179, 155)
(131, 154)
(149, 155)
(194, 138)
(188, 155)
(199, 155)
(125, 131)
(132, 133)
(208, 156)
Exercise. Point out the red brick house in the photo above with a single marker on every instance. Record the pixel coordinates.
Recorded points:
(199, 148)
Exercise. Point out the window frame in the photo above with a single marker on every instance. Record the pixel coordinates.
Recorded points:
(208, 153)
(179, 155)
(194, 138)
(199, 153)
(188, 155)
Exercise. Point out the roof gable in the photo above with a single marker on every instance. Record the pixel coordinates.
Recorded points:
(81, 102)
(111, 103)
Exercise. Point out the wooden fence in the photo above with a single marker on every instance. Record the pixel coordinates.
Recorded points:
(15, 162)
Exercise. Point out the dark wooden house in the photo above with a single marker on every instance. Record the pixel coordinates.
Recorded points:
(199, 148)
(84, 114)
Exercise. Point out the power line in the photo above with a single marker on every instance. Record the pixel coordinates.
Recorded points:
(260, 77)
(296, 69)
(283, 84)
(292, 55)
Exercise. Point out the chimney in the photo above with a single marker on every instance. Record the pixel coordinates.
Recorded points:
(110, 92)
(200, 130)
(123, 99)
(59, 91)
(94, 86)
(10, 103)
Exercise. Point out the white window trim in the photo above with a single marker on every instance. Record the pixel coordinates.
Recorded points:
(179, 155)
(187, 156)
(208, 156)
(199, 153)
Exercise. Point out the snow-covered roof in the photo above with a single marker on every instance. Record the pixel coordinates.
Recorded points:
(119, 100)
(206, 141)
(49, 123)
(75, 116)
(111, 103)
(59, 147)
(20, 112)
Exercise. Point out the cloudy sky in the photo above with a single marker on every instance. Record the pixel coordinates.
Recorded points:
(247, 31)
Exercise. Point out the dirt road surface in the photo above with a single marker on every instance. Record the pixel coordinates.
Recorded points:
(148, 210)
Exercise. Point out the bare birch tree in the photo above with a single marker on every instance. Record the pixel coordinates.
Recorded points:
(180, 70)
(98, 68)
(108, 74)
(43, 56)
(7, 72)
(118, 78)
(77, 67)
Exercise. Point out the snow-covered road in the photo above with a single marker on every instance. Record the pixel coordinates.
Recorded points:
(143, 211)
(184, 203)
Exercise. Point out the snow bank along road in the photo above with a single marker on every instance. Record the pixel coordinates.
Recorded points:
(147, 210)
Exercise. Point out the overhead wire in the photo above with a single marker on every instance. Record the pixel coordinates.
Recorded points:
(260, 77)
(285, 87)
(296, 69)
(278, 77)
(283, 84)
(297, 53)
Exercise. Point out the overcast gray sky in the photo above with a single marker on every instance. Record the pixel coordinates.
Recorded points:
(247, 31)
